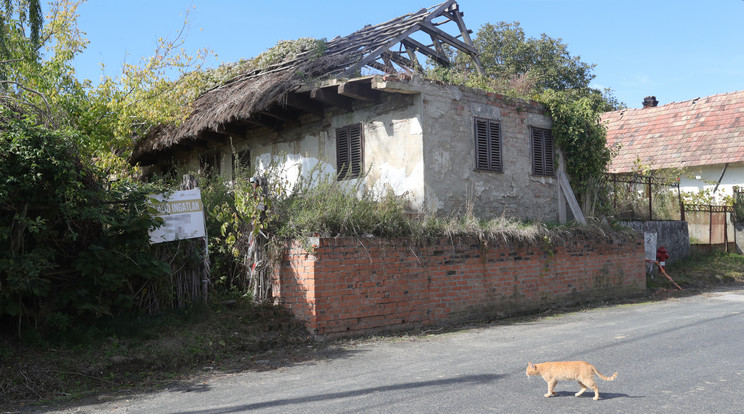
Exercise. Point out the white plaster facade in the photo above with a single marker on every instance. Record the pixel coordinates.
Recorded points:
(707, 177)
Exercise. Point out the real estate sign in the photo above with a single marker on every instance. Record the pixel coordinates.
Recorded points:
(183, 216)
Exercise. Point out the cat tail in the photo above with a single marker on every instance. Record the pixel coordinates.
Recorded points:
(603, 377)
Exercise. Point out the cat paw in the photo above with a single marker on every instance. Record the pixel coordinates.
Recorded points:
(549, 394)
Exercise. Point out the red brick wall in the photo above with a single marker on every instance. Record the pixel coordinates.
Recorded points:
(350, 286)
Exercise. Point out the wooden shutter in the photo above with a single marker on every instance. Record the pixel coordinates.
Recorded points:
(349, 151)
(542, 152)
(487, 145)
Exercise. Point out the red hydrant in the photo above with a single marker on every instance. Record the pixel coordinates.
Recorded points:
(661, 257)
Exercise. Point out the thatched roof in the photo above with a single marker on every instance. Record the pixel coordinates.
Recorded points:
(268, 96)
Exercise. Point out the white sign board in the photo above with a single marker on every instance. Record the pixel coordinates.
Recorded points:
(649, 242)
(183, 216)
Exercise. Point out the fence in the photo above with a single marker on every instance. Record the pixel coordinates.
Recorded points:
(709, 224)
(645, 197)
(738, 204)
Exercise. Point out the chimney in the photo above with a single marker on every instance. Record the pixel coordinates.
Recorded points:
(650, 102)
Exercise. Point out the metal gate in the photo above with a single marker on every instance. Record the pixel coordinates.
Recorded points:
(710, 224)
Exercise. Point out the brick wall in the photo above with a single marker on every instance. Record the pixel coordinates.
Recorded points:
(350, 286)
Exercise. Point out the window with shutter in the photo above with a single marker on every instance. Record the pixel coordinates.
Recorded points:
(349, 151)
(542, 152)
(488, 145)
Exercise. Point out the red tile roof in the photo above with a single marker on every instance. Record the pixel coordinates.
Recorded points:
(698, 132)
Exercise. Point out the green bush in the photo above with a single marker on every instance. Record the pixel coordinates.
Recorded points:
(72, 243)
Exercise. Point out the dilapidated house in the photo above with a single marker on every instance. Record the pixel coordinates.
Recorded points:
(361, 109)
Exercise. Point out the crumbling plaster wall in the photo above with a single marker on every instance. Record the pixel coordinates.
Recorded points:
(393, 158)
(452, 183)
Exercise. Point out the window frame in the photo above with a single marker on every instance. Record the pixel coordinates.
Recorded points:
(488, 145)
(241, 160)
(542, 151)
(349, 151)
(210, 162)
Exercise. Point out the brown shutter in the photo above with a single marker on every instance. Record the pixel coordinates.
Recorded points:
(487, 145)
(349, 151)
(542, 152)
(355, 149)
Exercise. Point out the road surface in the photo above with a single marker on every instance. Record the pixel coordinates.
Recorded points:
(676, 356)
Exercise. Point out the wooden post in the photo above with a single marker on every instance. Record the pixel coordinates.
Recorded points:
(188, 182)
(570, 197)
(650, 204)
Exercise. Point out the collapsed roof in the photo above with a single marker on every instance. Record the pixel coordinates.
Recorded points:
(281, 93)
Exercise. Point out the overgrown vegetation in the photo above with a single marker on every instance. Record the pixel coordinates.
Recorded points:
(73, 244)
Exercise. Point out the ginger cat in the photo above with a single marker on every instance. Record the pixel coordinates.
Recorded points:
(581, 371)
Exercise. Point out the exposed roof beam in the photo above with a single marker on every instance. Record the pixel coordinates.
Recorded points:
(400, 60)
(303, 102)
(282, 114)
(213, 135)
(379, 66)
(455, 15)
(412, 56)
(358, 90)
(420, 47)
(377, 52)
(330, 97)
(447, 38)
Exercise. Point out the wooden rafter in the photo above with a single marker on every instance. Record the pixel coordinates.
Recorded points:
(399, 31)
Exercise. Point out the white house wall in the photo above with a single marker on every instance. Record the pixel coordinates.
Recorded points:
(392, 149)
(696, 179)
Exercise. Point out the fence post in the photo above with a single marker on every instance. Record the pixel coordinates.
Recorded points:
(650, 203)
(710, 225)
(188, 182)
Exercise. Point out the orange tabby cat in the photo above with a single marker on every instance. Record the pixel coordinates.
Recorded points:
(581, 371)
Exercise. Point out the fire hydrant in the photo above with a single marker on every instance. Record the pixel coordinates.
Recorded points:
(661, 257)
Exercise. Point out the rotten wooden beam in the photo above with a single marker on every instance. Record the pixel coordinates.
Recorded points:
(421, 48)
(447, 38)
(361, 91)
(330, 97)
(303, 103)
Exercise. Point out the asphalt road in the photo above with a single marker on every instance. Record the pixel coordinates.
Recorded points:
(677, 356)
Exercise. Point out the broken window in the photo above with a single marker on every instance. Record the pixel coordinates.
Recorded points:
(349, 151)
(241, 162)
(542, 152)
(488, 145)
(209, 163)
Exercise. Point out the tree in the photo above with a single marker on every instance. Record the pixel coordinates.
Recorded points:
(506, 52)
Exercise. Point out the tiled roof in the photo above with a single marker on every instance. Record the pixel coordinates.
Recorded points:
(698, 132)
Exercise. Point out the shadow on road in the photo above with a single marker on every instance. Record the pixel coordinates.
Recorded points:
(471, 379)
(590, 394)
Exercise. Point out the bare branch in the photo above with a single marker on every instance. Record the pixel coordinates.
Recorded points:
(22, 86)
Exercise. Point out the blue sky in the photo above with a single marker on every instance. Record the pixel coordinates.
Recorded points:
(675, 50)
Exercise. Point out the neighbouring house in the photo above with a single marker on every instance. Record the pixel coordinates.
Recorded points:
(703, 137)
(362, 110)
